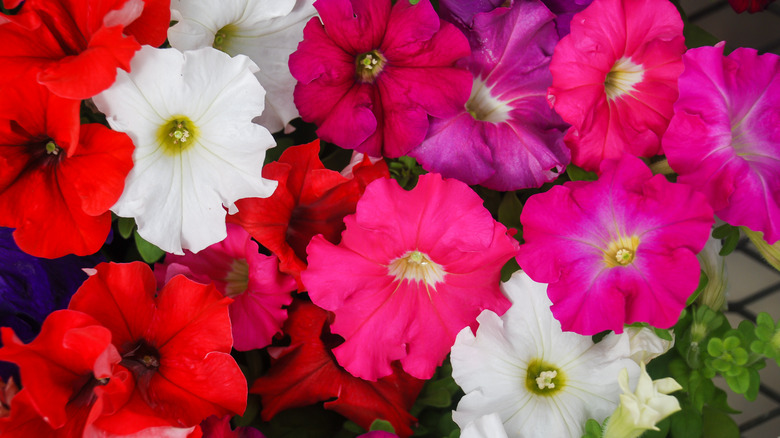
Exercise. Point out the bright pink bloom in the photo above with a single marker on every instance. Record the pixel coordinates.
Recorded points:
(412, 269)
(240, 272)
(506, 137)
(175, 341)
(615, 78)
(369, 75)
(724, 137)
(618, 250)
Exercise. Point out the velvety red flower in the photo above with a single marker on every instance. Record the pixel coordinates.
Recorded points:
(57, 180)
(71, 374)
(309, 200)
(752, 6)
(176, 342)
(306, 373)
(76, 46)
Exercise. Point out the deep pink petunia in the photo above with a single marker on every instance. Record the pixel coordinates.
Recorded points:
(615, 78)
(724, 137)
(412, 269)
(175, 341)
(618, 250)
(370, 74)
(506, 137)
(240, 272)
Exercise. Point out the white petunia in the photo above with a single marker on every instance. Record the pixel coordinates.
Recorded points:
(267, 31)
(196, 149)
(645, 345)
(486, 426)
(542, 382)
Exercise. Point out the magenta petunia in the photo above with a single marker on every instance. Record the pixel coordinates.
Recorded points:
(506, 137)
(370, 74)
(413, 268)
(724, 137)
(618, 250)
(252, 279)
(615, 78)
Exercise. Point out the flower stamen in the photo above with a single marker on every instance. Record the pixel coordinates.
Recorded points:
(368, 65)
(622, 78)
(621, 251)
(416, 266)
(177, 134)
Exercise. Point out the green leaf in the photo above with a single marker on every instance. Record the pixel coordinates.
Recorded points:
(509, 268)
(509, 210)
(383, 425)
(695, 36)
(663, 429)
(686, 423)
(579, 174)
(716, 424)
(125, 226)
(148, 251)
(252, 409)
(592, 429)
(436, 399)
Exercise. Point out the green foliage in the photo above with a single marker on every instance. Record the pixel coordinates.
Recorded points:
(382, 425)
(125, 226)
(767, 342)
(435, 403)
(576, 173)
(730, 236)
(307, 422)
(149, 252)
(718, 424)
(405, 170)
(730, 356)
(593, 429)
(509, 212)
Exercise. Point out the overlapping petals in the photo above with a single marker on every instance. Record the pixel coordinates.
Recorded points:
(506, 137)
(412, 269)
(615, 78)
(370, 74)
(724, 137)
(618, 250)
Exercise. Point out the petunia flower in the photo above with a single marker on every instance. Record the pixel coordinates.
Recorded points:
(176, 343)
(240, 272)
(724, 137)
(214, 427)
(752, 6)
(541, 381)
(266, 31)
(310, 200)
(486, 426)
(305, 373)
(506, 137)
(618, 250)
(190, 117)
(640, 410)
(370, 74)
(615, 78)
(412, 269)
(74, 47)
(57, 178)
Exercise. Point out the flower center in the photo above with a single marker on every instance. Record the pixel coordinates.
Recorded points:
(622, 78)
(52, 148)
(237, 279)
(483, 106)
(224, 36)
(142, 358)
(368, 65)
(177, 134)
(543, 378)
(416, 266)
(621, 252)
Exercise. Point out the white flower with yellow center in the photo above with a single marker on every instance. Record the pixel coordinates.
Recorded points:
(267, 31)
(196, 149)
(541, 381)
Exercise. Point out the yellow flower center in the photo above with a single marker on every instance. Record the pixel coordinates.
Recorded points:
(483, 106)
(621, 252)
(223, 38)
(237, 279)
(416, 266)
(622, 78)
(543, 378)
(368, 65)
(176, 135)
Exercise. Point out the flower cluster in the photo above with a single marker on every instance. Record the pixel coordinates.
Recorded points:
(378, 218)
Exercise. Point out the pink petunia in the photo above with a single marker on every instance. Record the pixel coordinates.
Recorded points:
(413, 268)
(506, 137)
(240, 272)
(618, 250)
(724, 137)
(370, 74)
(615, 78)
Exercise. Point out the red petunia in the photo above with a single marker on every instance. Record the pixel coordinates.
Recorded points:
(752, 6)
(76, 46)
(176, 342)
(306, 373)
(57, 180)
(309, 200)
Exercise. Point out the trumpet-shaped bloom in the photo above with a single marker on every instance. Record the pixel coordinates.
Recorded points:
(617, 250)
(412, 269)
(506, 137)
(266, 31)
(310, 200)
(196, 149)
(176, 343)
(540, 380)
(615, 78)
(724, 137)
(370, 74)
(240, 272)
